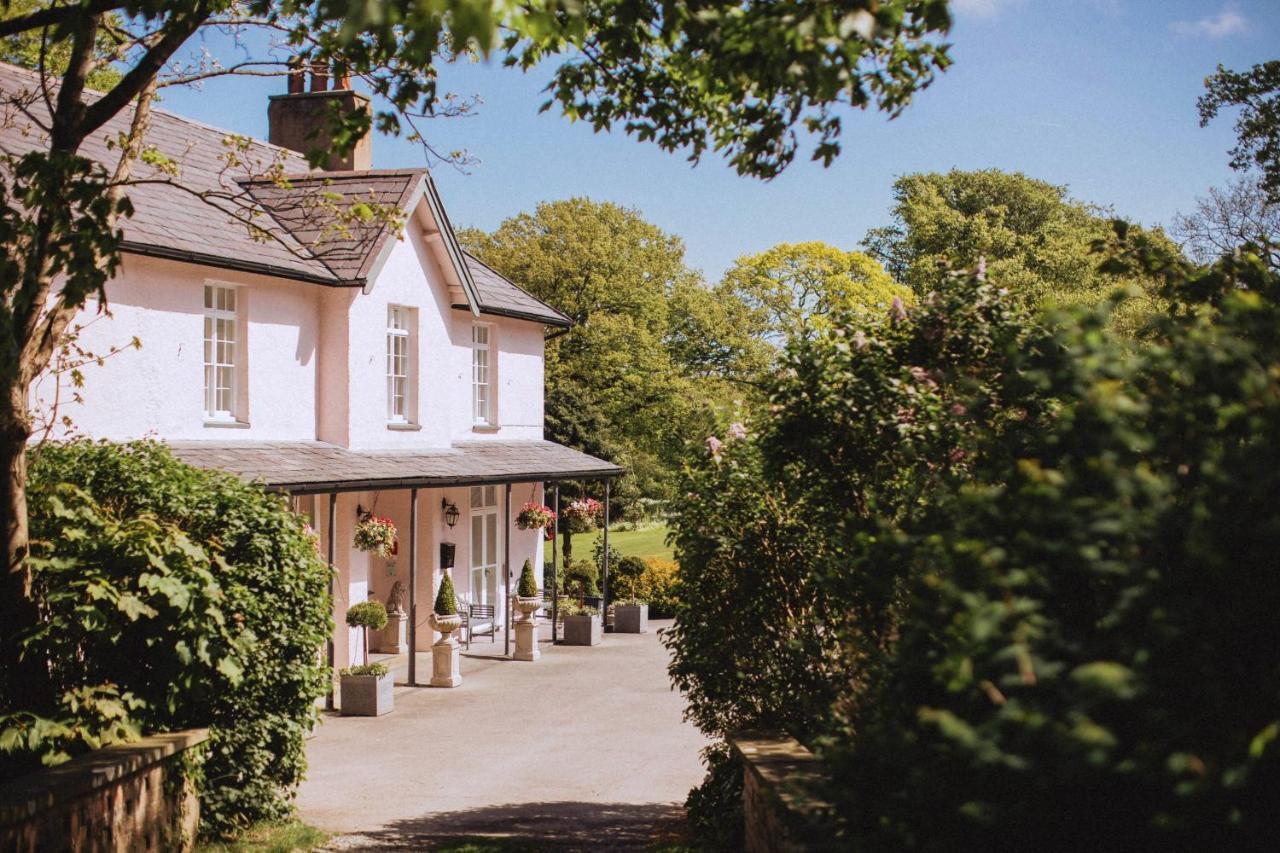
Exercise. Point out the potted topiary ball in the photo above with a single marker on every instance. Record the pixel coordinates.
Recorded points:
(367, 690)
(527, 600)
(444, 615)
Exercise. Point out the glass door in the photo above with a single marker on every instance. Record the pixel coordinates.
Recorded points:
(484, 544)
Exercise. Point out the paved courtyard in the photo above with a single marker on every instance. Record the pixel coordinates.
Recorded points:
(584, 749)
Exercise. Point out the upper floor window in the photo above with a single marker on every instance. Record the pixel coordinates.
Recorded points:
(482, 373)
(222, 355)
(400, 378)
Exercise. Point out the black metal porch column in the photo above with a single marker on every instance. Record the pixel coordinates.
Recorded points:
(506, 573)
(555, 563)
(413, 587)
(333, 574)
(604, 571)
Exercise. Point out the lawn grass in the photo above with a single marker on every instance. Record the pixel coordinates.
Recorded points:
(648, 541)
(270, 838)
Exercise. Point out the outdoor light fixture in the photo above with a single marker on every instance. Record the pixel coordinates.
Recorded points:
(450, 512)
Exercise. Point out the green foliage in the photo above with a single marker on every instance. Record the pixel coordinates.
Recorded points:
(1036, 241)
(715, 807)
(25, 49)
(625, 577)
(652, 349)
(177, 597)
(658, 587)
(1257, 93)
(370, 615)
(576, 608)
(446, 599)
(291, 836)
(377, 670)
(793, 288)
(1030, 550)
(528, 584)
(581, 577)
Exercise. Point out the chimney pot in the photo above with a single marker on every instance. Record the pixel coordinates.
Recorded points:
(341, 78)
(319, 78)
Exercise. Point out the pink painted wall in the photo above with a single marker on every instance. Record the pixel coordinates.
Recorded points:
(316, 358)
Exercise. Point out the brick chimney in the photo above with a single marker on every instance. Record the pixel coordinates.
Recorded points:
(299, 119)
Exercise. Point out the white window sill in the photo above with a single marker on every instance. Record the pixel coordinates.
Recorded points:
(217, 423)
(484, 427)
(403, 426)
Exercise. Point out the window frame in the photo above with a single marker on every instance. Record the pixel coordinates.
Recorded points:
(405, 336)
(484, 514)
(489, 384)
(233, 318)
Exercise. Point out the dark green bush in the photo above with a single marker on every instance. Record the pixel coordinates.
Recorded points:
(528, 585)
(446, 599)
(1013, 577)
(581, 577)
(715, 807)
(199, 597)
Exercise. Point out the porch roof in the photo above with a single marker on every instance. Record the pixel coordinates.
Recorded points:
(307, 467)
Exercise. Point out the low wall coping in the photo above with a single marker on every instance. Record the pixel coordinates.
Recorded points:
(790, 776)
(40, 790)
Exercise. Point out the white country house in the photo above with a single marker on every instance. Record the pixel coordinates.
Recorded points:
(353, 365)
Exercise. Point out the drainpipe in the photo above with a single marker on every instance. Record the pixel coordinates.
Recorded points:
(413, 587)
(333, 574)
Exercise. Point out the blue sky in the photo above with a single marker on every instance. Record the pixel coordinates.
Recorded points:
(1095, 94)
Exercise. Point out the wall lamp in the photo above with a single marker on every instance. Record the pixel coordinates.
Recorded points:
(450, 512)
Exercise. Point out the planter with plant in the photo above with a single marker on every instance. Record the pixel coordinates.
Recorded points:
(582, 625)
(631, 616)
(375, 535)
(527, 601)
(367, 690)
(445, 657)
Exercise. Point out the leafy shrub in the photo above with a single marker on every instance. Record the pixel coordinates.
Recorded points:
(191, 599)
(625, 577)
(597, 557)
(377, 670)
(370, 615)
(715, 807)
(576, 608)
(658, 587)
(528, 585)
(581, 577)
(1014, 576)
(446, 599)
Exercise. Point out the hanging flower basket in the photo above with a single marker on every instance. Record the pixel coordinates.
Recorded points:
(535, 516)
(376, 535)
(583, 514)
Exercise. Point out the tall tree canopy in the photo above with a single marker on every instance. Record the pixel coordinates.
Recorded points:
(1035, 240)
(1228, 219)
(1257, 93)
(621, 382)
(740, 78)
(793, 288)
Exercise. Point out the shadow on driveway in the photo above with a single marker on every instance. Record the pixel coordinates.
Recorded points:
(560, 826)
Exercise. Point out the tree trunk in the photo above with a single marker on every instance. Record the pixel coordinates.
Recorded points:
(22, 682)
(567, 548)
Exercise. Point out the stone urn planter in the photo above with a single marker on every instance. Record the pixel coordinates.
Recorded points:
(631, 618)
(367, 695)
(445, 656)
(526, 628)
(583, 630)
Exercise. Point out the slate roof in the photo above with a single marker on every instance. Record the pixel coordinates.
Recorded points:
(302, 467)
(204, 221)
(499, 296)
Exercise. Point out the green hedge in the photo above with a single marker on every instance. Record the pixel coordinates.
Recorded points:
(177, 597)
(1013, 576)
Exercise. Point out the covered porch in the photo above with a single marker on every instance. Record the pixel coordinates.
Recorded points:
(464, 497)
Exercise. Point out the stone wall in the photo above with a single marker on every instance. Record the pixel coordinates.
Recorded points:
(128, 797)
(782, 811)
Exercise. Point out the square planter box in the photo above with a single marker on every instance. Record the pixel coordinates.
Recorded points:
(582, 631)
(631, 618)
(367, 696)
